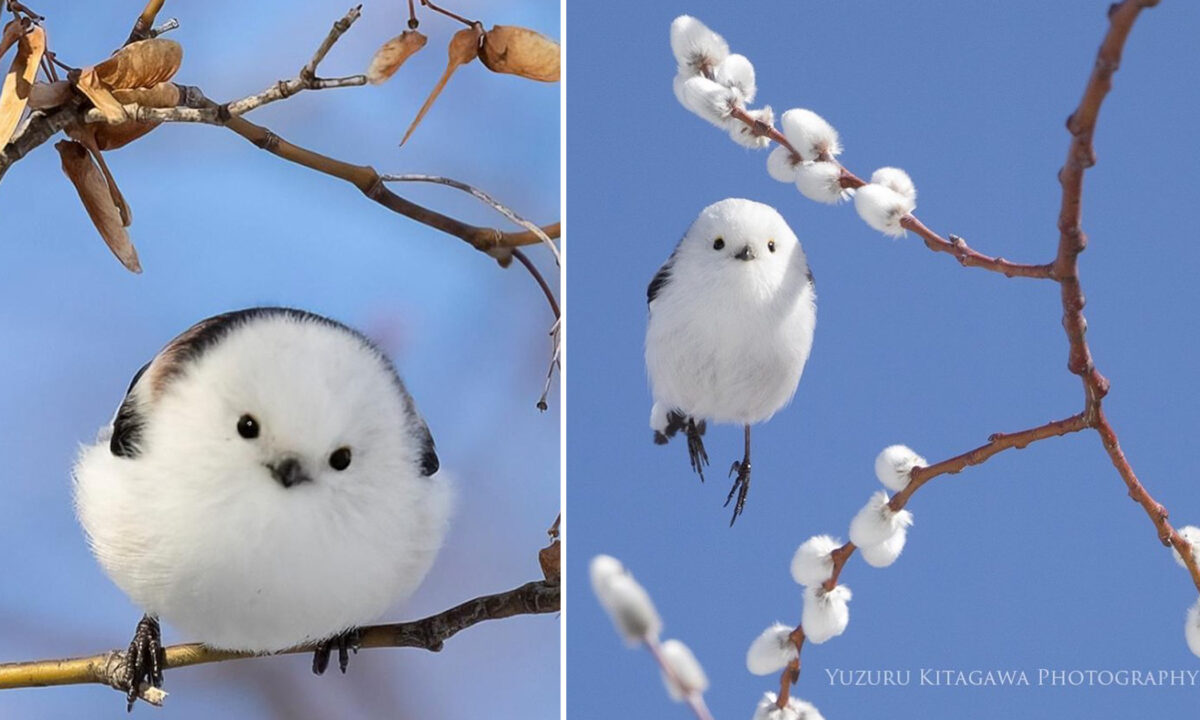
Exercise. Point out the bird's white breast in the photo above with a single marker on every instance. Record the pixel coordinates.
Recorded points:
(728, 352)
(262, 570)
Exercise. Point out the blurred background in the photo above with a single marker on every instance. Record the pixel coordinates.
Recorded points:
(1037, 559)
(219, 225)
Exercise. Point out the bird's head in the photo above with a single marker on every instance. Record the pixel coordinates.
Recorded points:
(745, 242)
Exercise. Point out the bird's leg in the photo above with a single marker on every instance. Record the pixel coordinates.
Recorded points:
(741, 484)
(144, 660)
(344, 642)
(676, 421)
(696, 454)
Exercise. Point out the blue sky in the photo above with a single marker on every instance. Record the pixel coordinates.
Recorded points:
(220, 225)
(1036, 559)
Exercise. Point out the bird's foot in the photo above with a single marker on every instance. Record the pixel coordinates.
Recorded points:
(741, 485)
(145, 659)
(696, 453)
(344, 642)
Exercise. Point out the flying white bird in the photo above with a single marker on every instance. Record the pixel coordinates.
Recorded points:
(732, 314)
(266, 483)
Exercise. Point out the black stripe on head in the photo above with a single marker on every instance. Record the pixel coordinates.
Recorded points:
(127, 425)
(202, 336)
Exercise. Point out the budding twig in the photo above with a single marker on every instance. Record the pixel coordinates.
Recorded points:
(1064, 270)
(428, 634)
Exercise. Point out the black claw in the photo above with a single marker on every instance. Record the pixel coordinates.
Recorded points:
(344, 642)
(144, 660)
(697, 456)
(659, 438)
(741, 485)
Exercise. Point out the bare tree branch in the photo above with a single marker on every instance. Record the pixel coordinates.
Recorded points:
(198, 108)
(1065, 271)
(429, 634)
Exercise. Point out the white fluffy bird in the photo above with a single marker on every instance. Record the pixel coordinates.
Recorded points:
(265, 484)
(732, 314)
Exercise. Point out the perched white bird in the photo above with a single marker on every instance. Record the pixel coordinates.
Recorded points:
(265, 484)
(732, 314)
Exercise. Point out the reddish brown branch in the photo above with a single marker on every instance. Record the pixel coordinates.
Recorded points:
(1064, 270)
(956, 246)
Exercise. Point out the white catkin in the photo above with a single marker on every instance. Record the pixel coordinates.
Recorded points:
(707, 98)
(689, 678)
(886, 552)
(626, 601)
(743, 134)
(826, 613)
(794, 709)
(780, 166)
(771, 651)
(894, 463)
(736, 72)
(1191, 534)
(1192, 629)
(882, 208)
(602, 569)
(811, 563)
(819, 181)
(876, 522)
(810, 134)
(896, 179)
(697, 49)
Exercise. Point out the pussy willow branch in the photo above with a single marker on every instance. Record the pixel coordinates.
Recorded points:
(1065, 271)
(199, 109)
(694, 701)
(428, 634)
(955, 246)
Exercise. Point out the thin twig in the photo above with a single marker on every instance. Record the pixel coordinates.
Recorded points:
(168, 26)
(1065, 271)
(488, 199)
(956, 246)
(198, 108)
(429, 634)
(695, 701)
(141, 27)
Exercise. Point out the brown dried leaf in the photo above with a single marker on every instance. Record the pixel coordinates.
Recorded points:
(13, 30)
(14, 95)
(162, 95)
(464, 47)
(141, 64)
(111, 137)
(43, 96)
(392, 55)
(90, 85)
(550, 559)
(93, 191)
(520, 51)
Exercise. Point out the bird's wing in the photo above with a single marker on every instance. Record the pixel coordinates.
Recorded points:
(128, 423)
(661, 278)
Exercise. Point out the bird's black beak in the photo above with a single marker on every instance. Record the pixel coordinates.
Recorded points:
(746, 253)
(289, 472)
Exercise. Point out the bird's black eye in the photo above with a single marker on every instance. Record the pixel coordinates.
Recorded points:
(771, 245)
(247, 427)
(718, 244)
(340, 459)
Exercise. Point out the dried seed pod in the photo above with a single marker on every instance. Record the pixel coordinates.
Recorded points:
(520, 51)
(392, 55)
(43, 96)
(550, 559)
(14, 30)
(91, 86)
(141, 64)
(464, 47)
(14, 95)
(111, 137)
(93, 191)
(162, 95)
